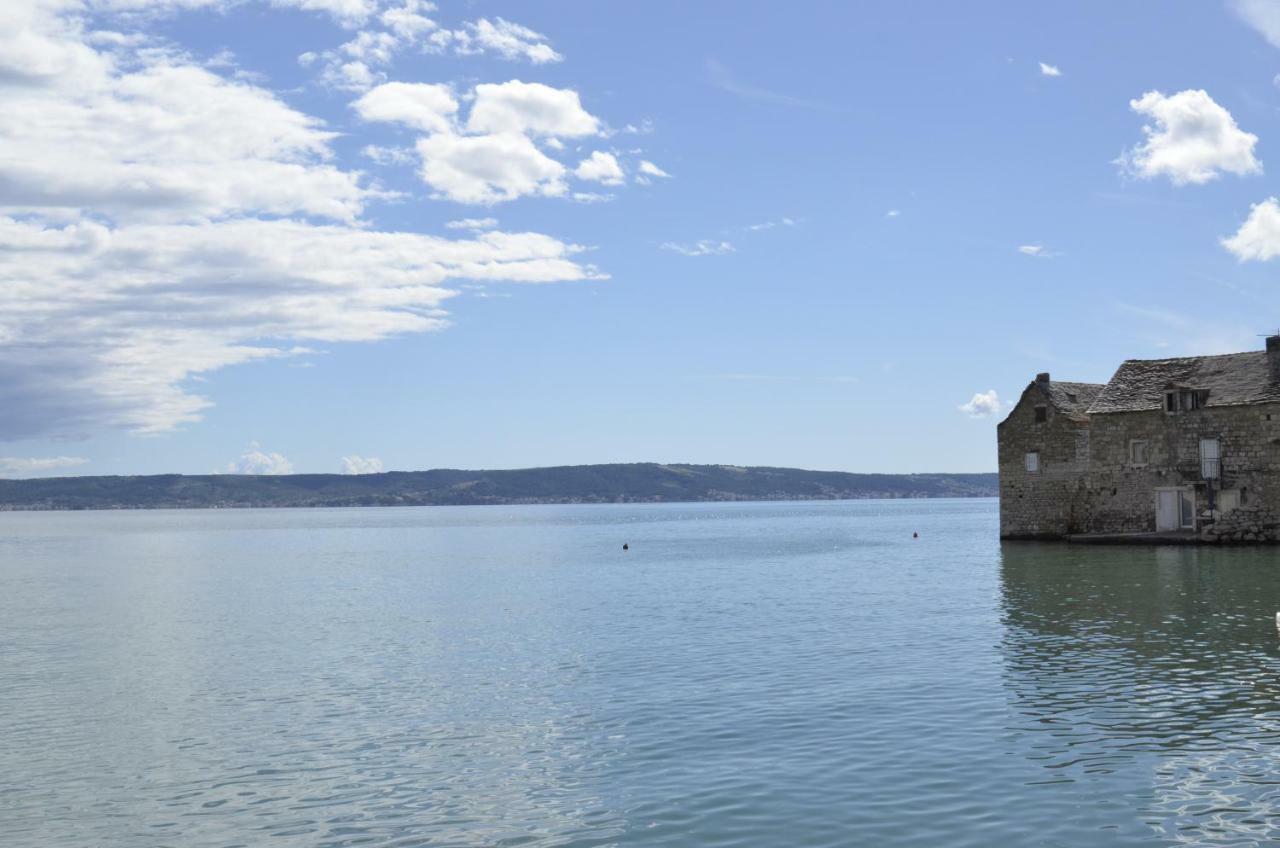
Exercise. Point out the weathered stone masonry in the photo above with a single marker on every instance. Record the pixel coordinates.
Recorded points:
(1109, 456)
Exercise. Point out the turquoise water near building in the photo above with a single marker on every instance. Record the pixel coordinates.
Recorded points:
(745, 675)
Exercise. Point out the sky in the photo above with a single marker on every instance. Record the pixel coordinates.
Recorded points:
(272, 236)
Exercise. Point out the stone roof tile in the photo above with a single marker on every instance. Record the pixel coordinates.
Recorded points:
(1232, 379)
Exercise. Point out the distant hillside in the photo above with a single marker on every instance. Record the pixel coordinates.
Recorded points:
(631, 483)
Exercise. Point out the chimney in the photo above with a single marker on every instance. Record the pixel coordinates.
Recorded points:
(1273, 344)
(1043, 376)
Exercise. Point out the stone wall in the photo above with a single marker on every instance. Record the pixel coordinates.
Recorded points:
(1052, 501)
(1122, 494)
(1089, 482)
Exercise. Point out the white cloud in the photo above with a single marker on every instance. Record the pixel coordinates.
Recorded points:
(360, 63)
(705, 247)
(892, 213)
(1049, 70)
(488, 169)
(407, 22)
(1258, 238)
(257, 461)
(1262, 15)
(981, 405)
(1037, 250)
(769, 225)
(389, 155)
(15, 466)
(473, 224)
(423, 106)
(601, 167)
(649, 169)
(492, 157)
(508, 40)
(161, 222)
(102, 326)
(361, 465)
(530, 108)
(1193, 141)
(162, 140)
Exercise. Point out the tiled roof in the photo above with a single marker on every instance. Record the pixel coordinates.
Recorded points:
(1231, 380)
(1071, 398)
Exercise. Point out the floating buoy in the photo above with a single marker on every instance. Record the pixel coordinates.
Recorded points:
(627, 547)
(917, 536)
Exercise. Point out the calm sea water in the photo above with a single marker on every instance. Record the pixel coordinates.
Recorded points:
(745, 675)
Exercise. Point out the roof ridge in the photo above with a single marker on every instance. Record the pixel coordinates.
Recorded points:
(1199, 356)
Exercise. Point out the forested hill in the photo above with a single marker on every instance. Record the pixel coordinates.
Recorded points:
(630, 483)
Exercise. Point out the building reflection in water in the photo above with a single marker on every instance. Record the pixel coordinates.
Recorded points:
(1127, 662)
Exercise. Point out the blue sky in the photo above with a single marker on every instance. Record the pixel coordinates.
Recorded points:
(826, 235)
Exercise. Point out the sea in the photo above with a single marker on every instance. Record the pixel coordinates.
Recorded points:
(847, 673)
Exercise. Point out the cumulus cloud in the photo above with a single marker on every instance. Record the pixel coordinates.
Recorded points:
(601, 167)
(530, 108)
(488, 169)
(705, 247)
(423, 106)
(1049, 70)
(1193, 140)
(159, 222)
(16, 466)
(1258, 238)
(1039, 251)
(361, 465)
(494, 155)
(256, 461)
(981, 405)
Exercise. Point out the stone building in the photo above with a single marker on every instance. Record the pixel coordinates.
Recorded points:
(1186, 447)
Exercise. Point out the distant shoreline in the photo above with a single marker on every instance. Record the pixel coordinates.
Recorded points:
(631, 483)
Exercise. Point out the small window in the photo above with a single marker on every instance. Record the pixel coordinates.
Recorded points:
(1033, 462)
(1138, 452)
(1185, 400)
(1042, 414)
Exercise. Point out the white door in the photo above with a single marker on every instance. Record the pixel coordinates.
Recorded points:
(1168, 506)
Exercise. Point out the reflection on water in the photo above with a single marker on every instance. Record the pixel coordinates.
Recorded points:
(745, 675)
(1159, 661)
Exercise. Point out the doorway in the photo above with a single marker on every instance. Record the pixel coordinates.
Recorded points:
(1175, 510)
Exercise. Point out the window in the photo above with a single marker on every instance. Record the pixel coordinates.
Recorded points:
(1033, 462)
(1210, 459)
(1138, 452)
(1042, 414)
(1185, 400)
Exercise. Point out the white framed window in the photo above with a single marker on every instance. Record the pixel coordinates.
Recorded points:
(1033, 462)
(1138, 452)
(1210, 459)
